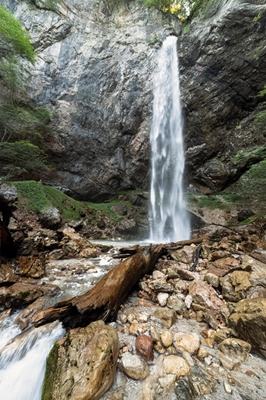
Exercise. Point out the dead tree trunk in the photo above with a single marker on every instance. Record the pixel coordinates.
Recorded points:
(104, 300)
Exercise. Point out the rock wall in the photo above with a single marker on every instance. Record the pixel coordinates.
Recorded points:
(223, 66)
(95, 73)
(96, 60)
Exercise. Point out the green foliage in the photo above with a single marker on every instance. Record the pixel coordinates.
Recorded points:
(15, 36)
(260, 119)
(21, 158)
(255, 154)
(257, 17)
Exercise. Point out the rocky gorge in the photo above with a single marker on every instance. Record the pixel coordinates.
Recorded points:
(95, 74)
(193, 327)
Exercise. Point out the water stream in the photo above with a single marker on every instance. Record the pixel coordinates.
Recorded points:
(23, 354)
(169, 220)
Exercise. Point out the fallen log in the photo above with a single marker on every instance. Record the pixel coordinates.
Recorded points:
(103, 301)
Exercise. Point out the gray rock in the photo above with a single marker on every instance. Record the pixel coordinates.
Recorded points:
(50, 218)
(8, 193)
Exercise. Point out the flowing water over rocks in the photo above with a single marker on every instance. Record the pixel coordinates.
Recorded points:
(181, 334)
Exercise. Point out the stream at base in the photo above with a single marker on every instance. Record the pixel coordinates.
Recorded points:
(23, 353)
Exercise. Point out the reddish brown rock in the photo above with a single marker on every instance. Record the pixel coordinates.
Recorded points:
(204, 295)
(144, 346)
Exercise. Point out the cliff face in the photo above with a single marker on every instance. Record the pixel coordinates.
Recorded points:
(223, 65)
(95, 73)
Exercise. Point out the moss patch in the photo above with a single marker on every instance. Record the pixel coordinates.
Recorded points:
(50, 373)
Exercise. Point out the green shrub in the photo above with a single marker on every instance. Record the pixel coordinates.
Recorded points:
(15, 36)
(20, 159)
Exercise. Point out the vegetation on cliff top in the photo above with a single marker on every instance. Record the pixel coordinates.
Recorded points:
(23, 125)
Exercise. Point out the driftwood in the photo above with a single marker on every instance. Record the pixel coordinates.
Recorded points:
(103, 301)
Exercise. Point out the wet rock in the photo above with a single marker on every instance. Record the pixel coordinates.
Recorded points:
(50, 218)
(84, 352)
(249, 321)
(21, 294)
(133, 366)
(189, 342)
(232, 351)
(25, 317)
(144, 347)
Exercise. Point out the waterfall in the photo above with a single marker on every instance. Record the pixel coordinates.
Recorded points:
(23, 359)
(169, 220)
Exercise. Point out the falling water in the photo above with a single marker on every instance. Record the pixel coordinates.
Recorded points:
(23, 359)
(168, 217)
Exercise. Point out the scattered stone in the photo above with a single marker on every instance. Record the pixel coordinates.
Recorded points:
(189, 342)
(144, 346)
(162, 299)
(212, 279)
(176, 365)
(133, 366)
(167, 317)
(204, 295)
(167, 338)
(233, 351)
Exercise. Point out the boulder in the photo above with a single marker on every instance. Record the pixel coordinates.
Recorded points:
(249, 321)
(82, 365)
(50, 218)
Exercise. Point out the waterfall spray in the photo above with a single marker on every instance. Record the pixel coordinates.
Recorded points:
(169, 220)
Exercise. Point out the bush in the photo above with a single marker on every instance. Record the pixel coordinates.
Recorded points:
(20, 159)
(16, 38)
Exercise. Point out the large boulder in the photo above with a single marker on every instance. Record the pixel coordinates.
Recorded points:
(82, 365)
(249, 321)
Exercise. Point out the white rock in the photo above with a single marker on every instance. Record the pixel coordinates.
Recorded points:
(188, 301)
(162, 298)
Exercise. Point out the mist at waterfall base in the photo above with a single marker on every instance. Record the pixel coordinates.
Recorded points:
(169, 220)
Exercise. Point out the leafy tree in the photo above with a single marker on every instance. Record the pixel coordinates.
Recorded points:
(23, 125)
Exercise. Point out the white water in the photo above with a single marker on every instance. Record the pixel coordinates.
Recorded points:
(23, 359)
(23, 354)
(169, 220)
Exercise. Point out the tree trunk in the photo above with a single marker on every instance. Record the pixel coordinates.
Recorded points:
(103, 301)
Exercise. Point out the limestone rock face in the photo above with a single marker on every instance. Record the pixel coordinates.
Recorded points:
(222, 60)
(249, 321)
(95, 72)
(82, 365)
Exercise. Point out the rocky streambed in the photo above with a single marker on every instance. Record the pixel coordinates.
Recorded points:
(182, 333)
